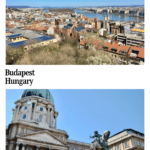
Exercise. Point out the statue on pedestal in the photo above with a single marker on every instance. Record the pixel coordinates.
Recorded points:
(100, 142)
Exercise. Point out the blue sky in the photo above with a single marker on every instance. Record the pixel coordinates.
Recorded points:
(64, 3)
(81, 112)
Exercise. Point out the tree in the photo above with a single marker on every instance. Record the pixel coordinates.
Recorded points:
(105, 33)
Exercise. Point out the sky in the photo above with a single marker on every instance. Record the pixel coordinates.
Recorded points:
(81, 112)
(69, 3)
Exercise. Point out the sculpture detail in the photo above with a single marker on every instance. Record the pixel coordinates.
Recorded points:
(100, 142)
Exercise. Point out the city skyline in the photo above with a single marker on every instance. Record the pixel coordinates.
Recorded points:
(112, 110)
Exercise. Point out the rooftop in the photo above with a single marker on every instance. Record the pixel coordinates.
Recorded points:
(129, 131)
(38, 92)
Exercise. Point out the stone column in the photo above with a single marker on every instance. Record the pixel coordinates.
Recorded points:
(55, 121)
(51, 119)
(56, 114)
(17, 146)
(48, 115)
(23, 146)
(30, 112)
(19, 129)
(17, 112)
(34, 115)
(122, 146)
(24, 130)
(13, 118)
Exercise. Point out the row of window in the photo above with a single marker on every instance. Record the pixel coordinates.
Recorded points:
(126, 145)
(40, 117)
(25, 108)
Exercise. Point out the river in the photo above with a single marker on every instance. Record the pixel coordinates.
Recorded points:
(115, 17)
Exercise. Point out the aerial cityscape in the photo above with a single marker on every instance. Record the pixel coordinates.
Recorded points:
(88, 35)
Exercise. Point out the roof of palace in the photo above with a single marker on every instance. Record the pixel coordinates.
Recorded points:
(38, 92)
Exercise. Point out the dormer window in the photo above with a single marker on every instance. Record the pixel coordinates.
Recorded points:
(41, 108)
(106, 47)
(24, 116)
(124, 52)
(25, 108)
(114, 49)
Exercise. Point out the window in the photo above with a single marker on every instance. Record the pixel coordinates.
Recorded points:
(142, 144)
(110, 149)
(137, 143)
(28, 149)
(118, 147)
(41, 109)
(25, 108)
(126, 144)
(40, 118)
(42, 43)
(24, 116)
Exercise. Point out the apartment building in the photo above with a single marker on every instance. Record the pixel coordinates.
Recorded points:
(130, 39)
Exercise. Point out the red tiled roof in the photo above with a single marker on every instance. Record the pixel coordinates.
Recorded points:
(83, 42)
(7, 23)
(10, 20)
(123, 47)
(84, 17)
(141, 51)
(11, 26)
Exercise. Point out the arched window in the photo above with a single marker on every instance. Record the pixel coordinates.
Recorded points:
(25, 108)
(24, 116)
(41, 109)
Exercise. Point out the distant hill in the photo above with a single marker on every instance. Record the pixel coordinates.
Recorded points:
(46, 7)
(18, 6)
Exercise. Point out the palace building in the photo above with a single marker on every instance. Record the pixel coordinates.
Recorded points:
(34, 127)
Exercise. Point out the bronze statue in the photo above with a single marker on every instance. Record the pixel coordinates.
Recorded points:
(100, 143)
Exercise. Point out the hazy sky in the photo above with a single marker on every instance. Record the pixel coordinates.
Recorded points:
(81, 112)
(74, 3)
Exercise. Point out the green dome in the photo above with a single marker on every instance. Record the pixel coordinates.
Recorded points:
(38, 92)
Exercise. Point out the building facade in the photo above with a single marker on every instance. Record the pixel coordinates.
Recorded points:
(34, 127)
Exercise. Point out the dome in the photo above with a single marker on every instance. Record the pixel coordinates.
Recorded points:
(38, 92)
